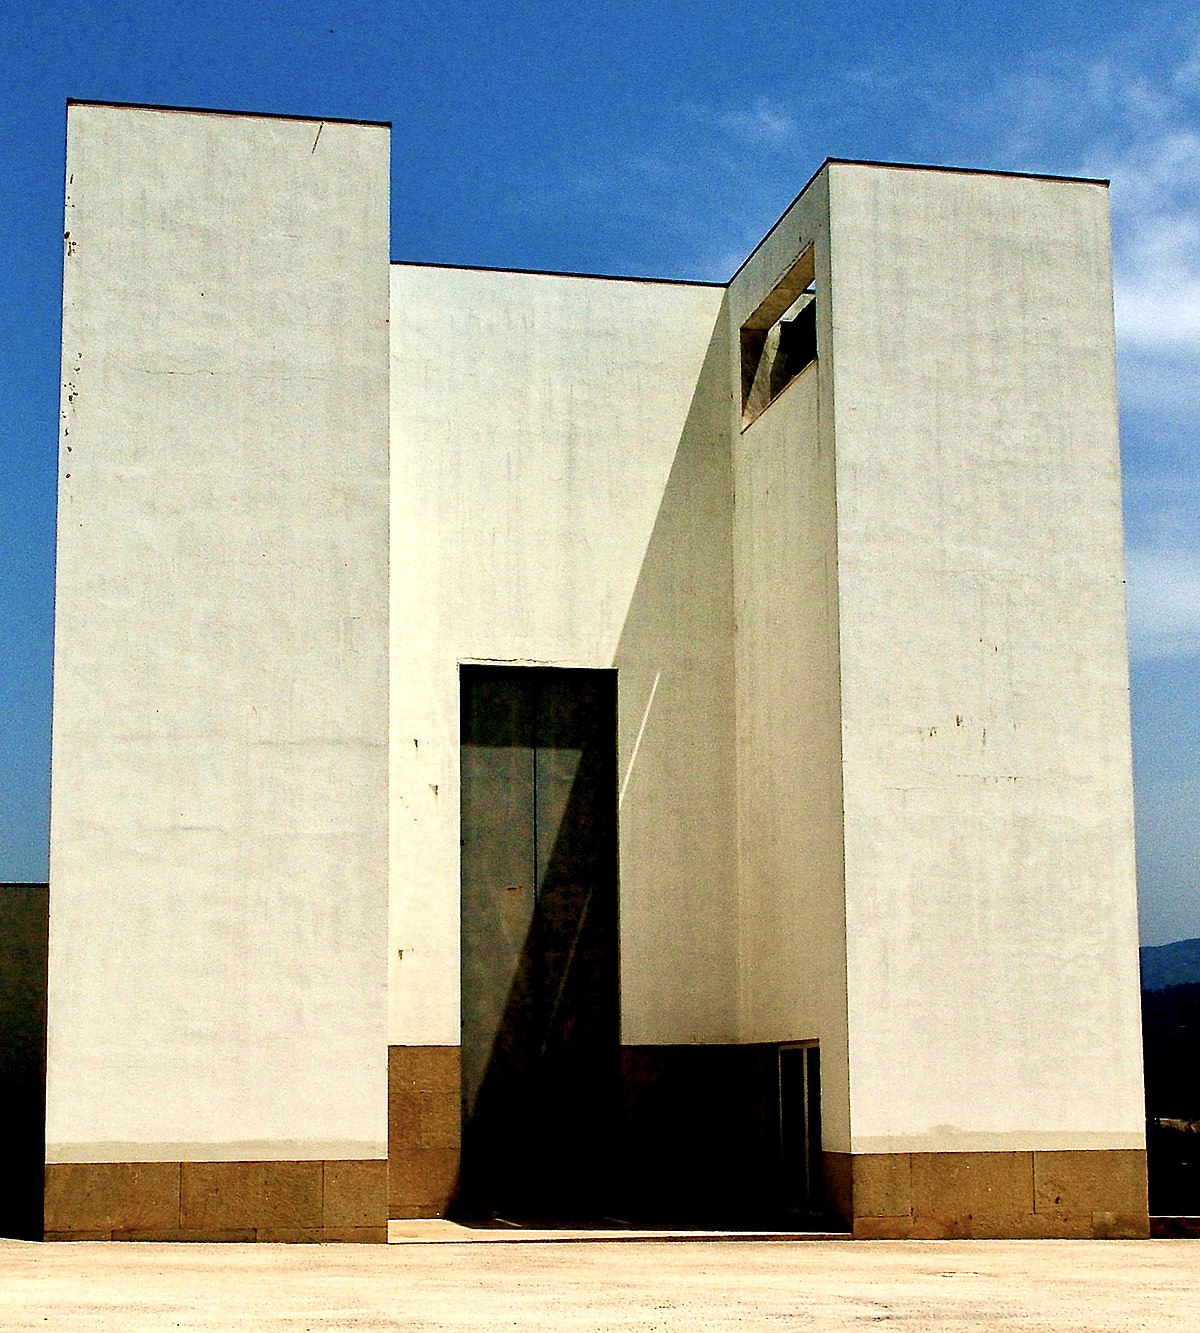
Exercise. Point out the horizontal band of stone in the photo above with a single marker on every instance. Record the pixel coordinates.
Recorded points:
(236, 1201)
(1072, 1194)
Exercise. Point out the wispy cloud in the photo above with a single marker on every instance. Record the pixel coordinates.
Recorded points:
(1162, 564)
(1156, 205)
(1164, 601)
(1128, 109)
(764, 122)
(1168, 853)
(1148, 144)
(884, 80)
(1131, 114)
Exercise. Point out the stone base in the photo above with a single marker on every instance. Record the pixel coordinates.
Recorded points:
(217, 1201)
(424, 1128)
(941, 1196)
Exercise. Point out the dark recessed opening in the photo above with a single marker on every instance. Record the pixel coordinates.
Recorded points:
(779, 340)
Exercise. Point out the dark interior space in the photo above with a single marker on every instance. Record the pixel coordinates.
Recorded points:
(1171, 1055)
(24, 920)
(703, 1144)
(540, 1004)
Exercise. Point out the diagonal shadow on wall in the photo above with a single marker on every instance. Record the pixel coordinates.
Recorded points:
(539, 958)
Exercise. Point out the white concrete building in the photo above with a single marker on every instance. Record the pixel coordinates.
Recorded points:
(569, 747)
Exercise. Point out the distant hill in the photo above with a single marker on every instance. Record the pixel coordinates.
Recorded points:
(1175, 964)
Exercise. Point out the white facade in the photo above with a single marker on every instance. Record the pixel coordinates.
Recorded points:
(219, 829)
(990, 891)
(873, 747)
(558, 495)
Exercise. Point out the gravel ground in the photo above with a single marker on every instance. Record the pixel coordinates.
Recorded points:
(1048, 1286)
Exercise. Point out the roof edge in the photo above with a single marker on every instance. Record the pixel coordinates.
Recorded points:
(225, 111)
(913, 166)
(557, 273)
(964, 171)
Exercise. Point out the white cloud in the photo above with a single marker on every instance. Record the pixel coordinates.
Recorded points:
(1166, 507)
(1134, 117)
(1156, 211)
(1164, 601)
(1162, 382)
(1159, 310)
(1168, 853)
(1131, 115)
(765, 122)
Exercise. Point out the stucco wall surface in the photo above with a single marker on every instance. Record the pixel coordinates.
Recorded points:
(990, 900)
(561, 495)
(792, 928)
(219, 802)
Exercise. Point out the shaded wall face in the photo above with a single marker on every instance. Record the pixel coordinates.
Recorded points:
(989, 847)
(561, 496)
(219, 804)
(675, 660)
(792, 930)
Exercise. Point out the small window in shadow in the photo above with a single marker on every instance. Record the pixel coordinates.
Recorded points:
(779, 340)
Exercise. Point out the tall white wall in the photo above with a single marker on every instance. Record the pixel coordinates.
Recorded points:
(990, 902)
(561, 495)
(792, 927)
(218, 860)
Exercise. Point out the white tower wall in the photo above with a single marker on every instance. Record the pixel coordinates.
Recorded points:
(991, 906)
(218, 857)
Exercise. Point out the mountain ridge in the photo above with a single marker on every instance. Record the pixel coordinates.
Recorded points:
(1176, 964)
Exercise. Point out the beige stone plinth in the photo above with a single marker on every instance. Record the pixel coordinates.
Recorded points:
(993, 1195)
(217, 1201)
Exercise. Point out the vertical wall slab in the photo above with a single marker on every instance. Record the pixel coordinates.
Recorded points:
(547, 432)
(792, 927)
(217, 1037)
(990, 899)
(561, 496)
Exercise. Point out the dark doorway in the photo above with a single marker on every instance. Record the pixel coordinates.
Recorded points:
(540, 1006)
(800, 1129)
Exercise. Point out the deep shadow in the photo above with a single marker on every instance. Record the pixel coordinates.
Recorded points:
(542, 1105)
(24, 918)
(701, 1143)
(1171, 1056)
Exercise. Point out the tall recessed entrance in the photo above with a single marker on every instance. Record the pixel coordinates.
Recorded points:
(540, 1005)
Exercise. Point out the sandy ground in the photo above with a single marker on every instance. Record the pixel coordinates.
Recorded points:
(644, 1285)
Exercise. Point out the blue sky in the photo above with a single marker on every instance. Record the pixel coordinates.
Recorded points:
(660, 139)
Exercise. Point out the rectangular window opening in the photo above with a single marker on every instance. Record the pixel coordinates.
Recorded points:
(779, 340)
